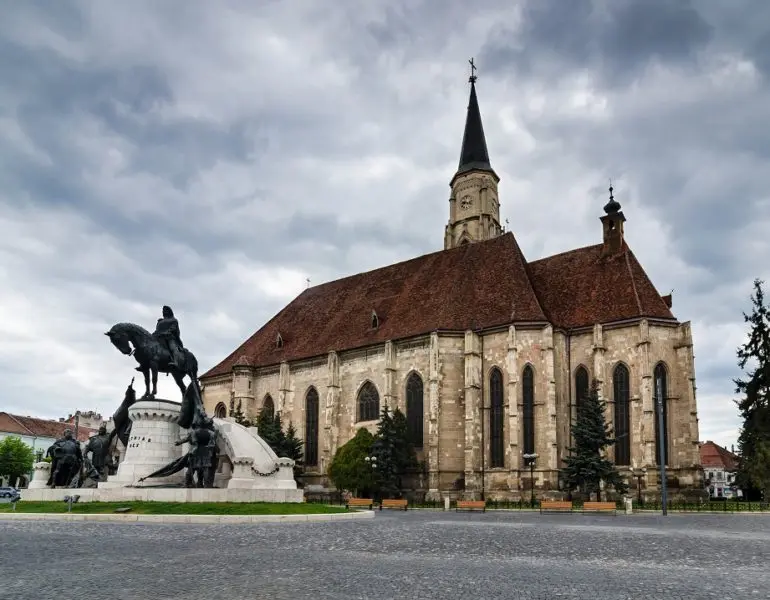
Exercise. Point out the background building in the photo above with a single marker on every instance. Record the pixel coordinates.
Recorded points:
(39, 434)
(719, 469)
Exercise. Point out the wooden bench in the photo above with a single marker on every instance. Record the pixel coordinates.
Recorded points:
(556, 506)
(359, 502)
(399, 503)
(471, 505)
(600, 507)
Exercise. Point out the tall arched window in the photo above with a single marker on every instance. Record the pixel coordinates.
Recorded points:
(528, 408)
(414, 409)
(581, 388)
(268, 406)
(368, 402)
(661, 384)
(220, 412)
(311, 428)
(621, 396)
(496, 446)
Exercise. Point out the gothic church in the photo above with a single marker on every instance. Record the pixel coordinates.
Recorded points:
(486, 373)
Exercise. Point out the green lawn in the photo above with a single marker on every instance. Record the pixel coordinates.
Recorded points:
(178, 508)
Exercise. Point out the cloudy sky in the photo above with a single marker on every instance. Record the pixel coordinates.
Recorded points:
(215, 155)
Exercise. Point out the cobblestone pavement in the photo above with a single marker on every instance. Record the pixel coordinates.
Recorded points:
(418, 554)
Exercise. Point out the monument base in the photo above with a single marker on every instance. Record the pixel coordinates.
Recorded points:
(151, 445)
(163, 494)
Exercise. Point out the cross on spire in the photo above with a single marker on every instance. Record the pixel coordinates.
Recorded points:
(472, 78)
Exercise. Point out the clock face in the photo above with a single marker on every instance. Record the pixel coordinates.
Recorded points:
(466, 202)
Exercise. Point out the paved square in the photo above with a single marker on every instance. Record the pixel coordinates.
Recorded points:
(419, 554)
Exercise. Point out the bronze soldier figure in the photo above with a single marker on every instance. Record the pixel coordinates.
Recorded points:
(99, 447)
(67, 459)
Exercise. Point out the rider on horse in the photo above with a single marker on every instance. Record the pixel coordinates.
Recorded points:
(167, 332)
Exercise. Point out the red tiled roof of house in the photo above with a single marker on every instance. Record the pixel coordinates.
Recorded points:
(714, 456)
(31, 426)
(480, 285)
(581, 287)
(473, 285)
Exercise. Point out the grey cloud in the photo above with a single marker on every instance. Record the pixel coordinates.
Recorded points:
(214, 157)
(615, 40)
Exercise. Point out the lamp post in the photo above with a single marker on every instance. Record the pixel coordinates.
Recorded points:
(372, 462)
(530, 461)
(639, 474)
(662, 445)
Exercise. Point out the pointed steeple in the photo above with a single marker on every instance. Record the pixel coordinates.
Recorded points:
(474, 208)
(474, 154)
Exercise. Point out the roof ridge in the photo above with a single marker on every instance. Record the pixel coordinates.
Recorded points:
(631, 256)
(14, 417)
(532, 287)
(460, 248)
(582, 248)
(633, 283)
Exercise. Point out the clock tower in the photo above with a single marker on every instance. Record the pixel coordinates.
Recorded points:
(474, 208)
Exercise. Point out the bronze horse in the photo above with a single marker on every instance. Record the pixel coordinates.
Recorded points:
(152, 355)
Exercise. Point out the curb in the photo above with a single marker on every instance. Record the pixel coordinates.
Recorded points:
(199, 519)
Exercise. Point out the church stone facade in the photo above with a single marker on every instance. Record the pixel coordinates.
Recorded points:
(486, 353)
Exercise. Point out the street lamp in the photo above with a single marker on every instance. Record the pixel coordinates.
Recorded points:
(530, 461)
(662, 445)
(639, 474)
(372, 462)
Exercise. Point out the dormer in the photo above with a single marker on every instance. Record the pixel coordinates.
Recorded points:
(278, 341)
(375, 320)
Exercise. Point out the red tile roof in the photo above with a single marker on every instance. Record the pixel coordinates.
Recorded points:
(582, 287)
(714, 456)
(480, 285)
(30, 426)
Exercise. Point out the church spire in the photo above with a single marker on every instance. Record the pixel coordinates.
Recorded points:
(474, 209)
(474, 154)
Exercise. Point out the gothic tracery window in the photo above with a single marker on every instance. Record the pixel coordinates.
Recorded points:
(268, 406)
(622, 425)
(311, 428)
(496, 427)
(528, 409)
(660, 384)
(368, 402)
(581, 388)
(414, 409)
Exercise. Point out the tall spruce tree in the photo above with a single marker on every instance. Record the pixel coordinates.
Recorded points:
(586, 467)
(269, 428)
(394, 451)
(754, 406)
(292, 448)
(236, 412)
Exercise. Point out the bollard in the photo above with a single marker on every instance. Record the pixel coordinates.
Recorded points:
(446, 502)
(629, 504)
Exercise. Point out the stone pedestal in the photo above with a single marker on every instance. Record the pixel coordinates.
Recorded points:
(40, 475)
(154, 430)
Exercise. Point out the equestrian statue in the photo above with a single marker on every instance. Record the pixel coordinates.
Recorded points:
(161, 351)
